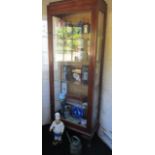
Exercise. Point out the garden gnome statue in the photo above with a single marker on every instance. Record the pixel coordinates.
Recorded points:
(57, 127)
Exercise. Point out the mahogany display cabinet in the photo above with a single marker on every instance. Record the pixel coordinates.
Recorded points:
(76, 36)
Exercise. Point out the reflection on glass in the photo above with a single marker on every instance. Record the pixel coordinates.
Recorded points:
(98, 65)
(71, 46)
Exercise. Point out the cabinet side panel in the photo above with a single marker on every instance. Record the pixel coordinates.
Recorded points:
(98, 67)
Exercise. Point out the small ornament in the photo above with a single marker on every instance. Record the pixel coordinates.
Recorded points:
(57, 127)
(83, 55)
(85, 74)
(76, 75)
(86, 28)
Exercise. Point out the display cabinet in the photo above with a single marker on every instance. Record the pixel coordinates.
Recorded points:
(76, 34)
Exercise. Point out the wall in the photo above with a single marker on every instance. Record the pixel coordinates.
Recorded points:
(105, 131)
(45, 77)
(46, 113)
(44, 7)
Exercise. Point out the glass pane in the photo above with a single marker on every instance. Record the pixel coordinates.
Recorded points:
(98, 65)
(71, 46)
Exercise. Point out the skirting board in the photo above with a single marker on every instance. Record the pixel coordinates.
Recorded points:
(105, 137)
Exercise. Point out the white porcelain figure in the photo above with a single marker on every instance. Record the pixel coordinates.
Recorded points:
(57, 127)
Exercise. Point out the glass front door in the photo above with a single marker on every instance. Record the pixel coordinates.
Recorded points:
(71, 52)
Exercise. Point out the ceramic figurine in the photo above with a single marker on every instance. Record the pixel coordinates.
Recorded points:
(58, 128)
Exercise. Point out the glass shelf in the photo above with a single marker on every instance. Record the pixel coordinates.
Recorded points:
(74, 63)
(74, 121)
(72, 82)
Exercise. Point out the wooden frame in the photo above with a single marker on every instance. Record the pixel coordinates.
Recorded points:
(76, 6)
